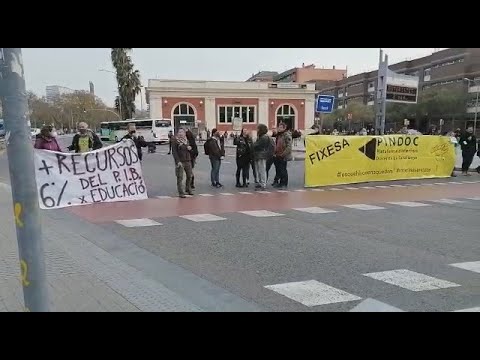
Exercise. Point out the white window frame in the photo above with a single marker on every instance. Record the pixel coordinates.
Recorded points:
(233, 106)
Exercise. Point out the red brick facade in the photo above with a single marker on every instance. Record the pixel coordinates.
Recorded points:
(236, 102)
(298, 106)
(170, 103)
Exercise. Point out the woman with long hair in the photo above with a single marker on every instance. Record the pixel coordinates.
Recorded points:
(46, 140)
(244, 156)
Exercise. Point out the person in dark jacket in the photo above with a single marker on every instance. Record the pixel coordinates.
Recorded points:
(138, 140)
(170, 140)
(283, 154)
(193, 153)
(86, 140)
(244, 156)
(183, 162)
(262, 151)
(468, 143)
(215, 149)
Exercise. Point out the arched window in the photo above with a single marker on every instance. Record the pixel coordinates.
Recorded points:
(184, 116)
(286, 115)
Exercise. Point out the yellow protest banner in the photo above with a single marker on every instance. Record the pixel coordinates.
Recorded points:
(333, 160)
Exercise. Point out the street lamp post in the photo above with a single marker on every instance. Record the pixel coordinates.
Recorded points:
(476, 103)
(119, 94)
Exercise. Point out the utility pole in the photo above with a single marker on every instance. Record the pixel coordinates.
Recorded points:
(381, 98)
(22, 176)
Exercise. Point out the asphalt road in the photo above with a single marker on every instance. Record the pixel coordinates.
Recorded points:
(399, 252)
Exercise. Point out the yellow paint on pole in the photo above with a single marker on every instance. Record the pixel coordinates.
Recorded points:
(24, 273)
(18, 213)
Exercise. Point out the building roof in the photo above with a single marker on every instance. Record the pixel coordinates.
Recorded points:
(263, 74)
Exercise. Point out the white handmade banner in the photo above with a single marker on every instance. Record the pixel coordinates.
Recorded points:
(110, 174)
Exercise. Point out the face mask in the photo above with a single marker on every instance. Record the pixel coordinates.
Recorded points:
(53, 134)
(82, 131)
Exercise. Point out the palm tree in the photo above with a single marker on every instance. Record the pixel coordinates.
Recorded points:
(128, 80)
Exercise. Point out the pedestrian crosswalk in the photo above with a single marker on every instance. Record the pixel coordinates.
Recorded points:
(313, 210)
(312, 293)
(336, 188)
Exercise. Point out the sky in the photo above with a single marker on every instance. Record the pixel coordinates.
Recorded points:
(75, 67)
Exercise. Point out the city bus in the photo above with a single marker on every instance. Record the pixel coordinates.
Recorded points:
(153, 130)
(104, 131)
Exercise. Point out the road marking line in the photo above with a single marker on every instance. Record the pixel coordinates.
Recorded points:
(441, 183)
(409, 203)
(476, 198)
(428, 184)
(283, 191)
(335, 189)
(300, 190)
(137, 223)
(261, 213)
(382, 186)
(351, 188)
(470, 266)
(264, 192)
(414, 185)
(312, 293)
(227, 194)
(455, 182)
(206, 195)
(474, 309)
(469, 182)
(318, 190)
(203, 217)
(367, 187)
(411, 280)
(245, 193)
(315, 210)
(399, 186)
(447, 201)
(364, 207)
(164, 197)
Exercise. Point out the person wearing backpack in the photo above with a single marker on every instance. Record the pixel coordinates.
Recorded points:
(85, 140)
(262, 149)
(244, 150)
(215, 149)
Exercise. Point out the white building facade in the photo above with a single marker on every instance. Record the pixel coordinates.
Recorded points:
(214, 104)
(53, 92)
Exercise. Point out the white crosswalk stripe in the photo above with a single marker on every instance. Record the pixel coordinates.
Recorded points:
(318, 190)
(470, 266)
(261, 213)
(447, 201)
(312, 293)
(367, 187)
(441, 183)
(455, 182)
(476, 198)
(364, 207)
(408, 203)
(226, 194)
(164, 197)
(399, 186)
(411, 280)
(264, 192)
(300, 190)
(203, 217)
(351, 188)
(132, 223)
(283, 191)
(335, 189)
(245, 193)
(206, 195)
(315, 210)
(382, 187)
(475, 309)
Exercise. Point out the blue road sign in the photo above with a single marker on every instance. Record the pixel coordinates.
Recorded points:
(325, 104)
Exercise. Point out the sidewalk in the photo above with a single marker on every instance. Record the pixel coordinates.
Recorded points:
(81, 275)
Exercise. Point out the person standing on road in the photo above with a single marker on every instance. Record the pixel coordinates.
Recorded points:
(193, 153)
(170, 140)
(262, 151)
(271, 159)
(244, 156)
(46, 140)
(468, 143)
(85, 140)
(215, 149)
(283, 154)
(138, 140)
(183, 162)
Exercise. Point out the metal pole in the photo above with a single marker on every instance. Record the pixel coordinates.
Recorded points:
(476, 111)
(24, 188)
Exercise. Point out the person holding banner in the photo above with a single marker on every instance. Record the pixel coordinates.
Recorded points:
(46, 140)
(138, 140)
(183, 162)
(86, 140)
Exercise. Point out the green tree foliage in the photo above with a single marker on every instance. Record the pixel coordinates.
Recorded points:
(128, 80)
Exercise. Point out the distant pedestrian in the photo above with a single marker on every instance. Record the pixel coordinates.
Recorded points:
(46, 140)
(193, 153)
(85, 140)
(183, 163)
(468, 143)
(215, 149)
(138, 140)
(262, 151)
(170, 141)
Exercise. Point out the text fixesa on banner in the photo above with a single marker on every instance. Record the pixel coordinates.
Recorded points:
(333, 160)
(113, 173)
